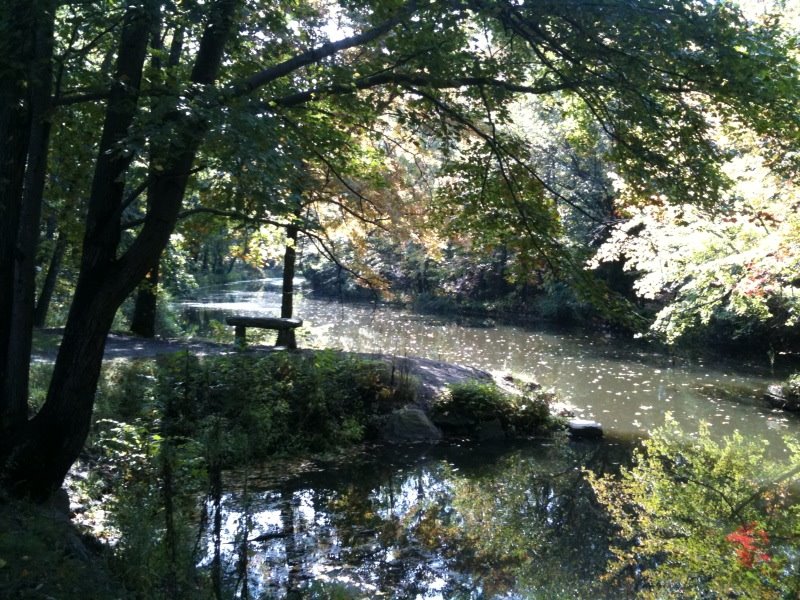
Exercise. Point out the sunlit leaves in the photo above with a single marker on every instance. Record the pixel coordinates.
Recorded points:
(739, 261)
(684, 509)
(362, 134)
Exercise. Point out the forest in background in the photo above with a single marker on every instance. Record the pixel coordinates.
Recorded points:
(381, 221)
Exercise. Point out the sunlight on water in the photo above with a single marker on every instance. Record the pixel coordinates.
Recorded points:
(627, 388)
(420, 526)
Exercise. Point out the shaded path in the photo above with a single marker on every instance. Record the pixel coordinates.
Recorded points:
(433, 375)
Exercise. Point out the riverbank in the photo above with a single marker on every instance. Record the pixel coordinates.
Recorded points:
(165, 429)
(433, 376)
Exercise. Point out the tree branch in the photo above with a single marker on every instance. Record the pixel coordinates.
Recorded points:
(405, 79)
(315, 55)
(206, 210)
(321, 245)
(78, 98)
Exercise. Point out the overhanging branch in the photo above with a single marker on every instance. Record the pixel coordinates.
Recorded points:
(315, 55)
(418, 80)
(206, 210)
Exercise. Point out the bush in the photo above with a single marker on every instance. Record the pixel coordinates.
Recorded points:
(792, 386)
(475, 402)
(704, 519)
(274, 403)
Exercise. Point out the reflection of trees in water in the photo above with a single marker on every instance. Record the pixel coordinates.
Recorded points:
(489, 520)
(529, 523)
(518, 522)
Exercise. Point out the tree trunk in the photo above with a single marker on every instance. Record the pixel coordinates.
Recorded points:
(43, 451)
(15, 384)
(145, 309)
(49, 283)
(286, 337)
(143, 322)
(16, 53)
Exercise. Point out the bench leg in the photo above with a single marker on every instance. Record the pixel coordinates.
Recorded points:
(286, 338)
(241, 339)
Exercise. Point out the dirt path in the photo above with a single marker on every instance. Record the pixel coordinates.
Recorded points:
(130, 347)
(433, 375)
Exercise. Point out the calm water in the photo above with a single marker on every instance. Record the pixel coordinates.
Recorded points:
(627, 390)
(508, 521)
(445, 522)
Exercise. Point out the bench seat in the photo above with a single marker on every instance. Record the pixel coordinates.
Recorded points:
(277, 323)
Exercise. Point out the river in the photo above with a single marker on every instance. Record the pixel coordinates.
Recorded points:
(624, 386)
(509, 521)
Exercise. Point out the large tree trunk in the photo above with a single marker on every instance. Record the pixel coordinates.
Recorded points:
(16, 61)
(15, 383)
(43, 451)
(145, 308)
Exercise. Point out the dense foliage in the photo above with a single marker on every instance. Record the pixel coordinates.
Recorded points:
(465, 407)
(266, 405)
(730, 269)
(496, 150)
(704, 519)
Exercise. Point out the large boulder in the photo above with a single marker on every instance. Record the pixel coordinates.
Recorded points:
(409, 425)
(584, 429)
(779, 396)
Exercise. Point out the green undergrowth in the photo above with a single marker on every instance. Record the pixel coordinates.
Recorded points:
(467, 405)
(166, 429)
(277, 403)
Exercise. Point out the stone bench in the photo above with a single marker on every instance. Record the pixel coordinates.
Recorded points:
(277, 323)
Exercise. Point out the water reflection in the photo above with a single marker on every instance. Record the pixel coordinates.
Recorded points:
(624, 387)
(465, 522)
(452, 522)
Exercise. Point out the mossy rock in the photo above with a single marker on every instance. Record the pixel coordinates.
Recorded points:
(410, 425)
(785, 397)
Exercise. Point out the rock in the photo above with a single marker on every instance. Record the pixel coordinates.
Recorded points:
(584, 429)
(410, 425)
(532, 386)
(777, 397)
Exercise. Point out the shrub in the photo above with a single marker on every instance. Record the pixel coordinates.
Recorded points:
(792, 386)
(273, 403)
(704, 519)
(475, 402)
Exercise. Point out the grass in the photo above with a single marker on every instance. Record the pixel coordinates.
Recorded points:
(43, 555)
